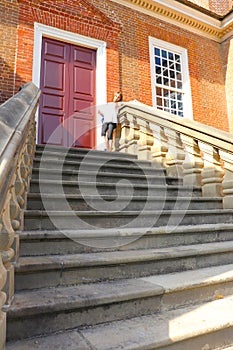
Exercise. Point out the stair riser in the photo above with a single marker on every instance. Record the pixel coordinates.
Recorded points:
(73, 188)
(80, 204)
(28, 326)
(49, 246)
(65, 275)
(122, 220)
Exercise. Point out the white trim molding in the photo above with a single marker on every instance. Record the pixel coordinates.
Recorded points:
(186, 89)
(41, 30)
(185, 17)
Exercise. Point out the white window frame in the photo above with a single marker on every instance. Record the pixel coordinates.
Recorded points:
(187, 99)
(41, 30)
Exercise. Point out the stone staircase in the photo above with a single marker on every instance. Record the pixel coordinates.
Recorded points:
(116, 255)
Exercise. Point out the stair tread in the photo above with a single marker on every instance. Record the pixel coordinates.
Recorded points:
(88, 295)
(51, 148)
(123, 197)
(107, 174)
(171, 212)
(146, 332)
(119, 257)
(98, 164)
(97, 183)
(124, 231)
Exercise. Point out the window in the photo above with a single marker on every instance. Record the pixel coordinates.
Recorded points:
(170, 78)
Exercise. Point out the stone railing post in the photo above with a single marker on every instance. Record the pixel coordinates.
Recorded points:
(175, 155)
(146, 141)
(129, 134)
(160, 147)
(212, 173)
(227, 184)
(193, 162)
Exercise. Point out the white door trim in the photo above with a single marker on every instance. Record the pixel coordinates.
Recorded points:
(41, 30)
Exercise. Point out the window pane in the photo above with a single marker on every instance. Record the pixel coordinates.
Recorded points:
(158, 91)
(165, 81)
(159, 101)
(179, 85)
(177, 58)
(172, 74)
(157, 61)
(173, 83)
(178, 67)
(157, 51)
(170, 56)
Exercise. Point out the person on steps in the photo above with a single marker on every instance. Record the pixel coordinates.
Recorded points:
(109, 117)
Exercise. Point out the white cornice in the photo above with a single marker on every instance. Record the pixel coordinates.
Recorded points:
(185, 17)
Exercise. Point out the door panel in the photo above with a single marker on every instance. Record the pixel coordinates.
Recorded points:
(67, 113)
(82, 92)
(54, 78)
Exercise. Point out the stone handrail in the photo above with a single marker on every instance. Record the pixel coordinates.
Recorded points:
(201, 154)
(17, 147)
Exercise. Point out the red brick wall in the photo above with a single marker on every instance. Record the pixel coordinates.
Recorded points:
(8, 35)
(126, 32)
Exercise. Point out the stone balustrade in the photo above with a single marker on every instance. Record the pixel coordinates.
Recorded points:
(201, 155)
(17, 147)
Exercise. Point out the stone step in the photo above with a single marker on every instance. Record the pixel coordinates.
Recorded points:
(91, 156)
(59, 220)
(103, 177)
(60, 270)
(35, 243)
(122, 187)
(91, 304)
(36, 201)
(116, 165)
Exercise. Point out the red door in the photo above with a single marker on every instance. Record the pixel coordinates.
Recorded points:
(67, 113)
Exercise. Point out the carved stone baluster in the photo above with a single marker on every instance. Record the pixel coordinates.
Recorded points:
(193, 163)
(175, 155)
(28, 159)
(2, 302)
(129, 134)
(146, 141)
(16, 213)
(160, 148)
(6, 240)
(212, 173)
(227, 184)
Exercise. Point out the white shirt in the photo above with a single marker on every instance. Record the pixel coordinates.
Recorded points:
(110, 112)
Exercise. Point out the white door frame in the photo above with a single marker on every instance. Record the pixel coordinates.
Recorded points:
(41, 30)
